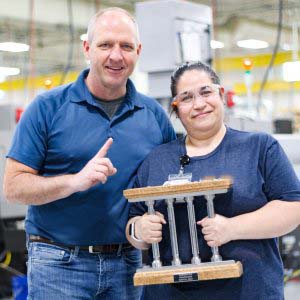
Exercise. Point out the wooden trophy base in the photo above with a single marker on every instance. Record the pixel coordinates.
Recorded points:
(188, 272)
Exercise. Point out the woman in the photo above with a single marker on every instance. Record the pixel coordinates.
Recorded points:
(263, 204)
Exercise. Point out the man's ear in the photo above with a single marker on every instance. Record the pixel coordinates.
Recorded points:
(139, 49)
(86, 48)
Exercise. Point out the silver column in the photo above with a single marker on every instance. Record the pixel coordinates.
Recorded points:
(172, 226)
(155, 248)
(211, 213)
(193, 230)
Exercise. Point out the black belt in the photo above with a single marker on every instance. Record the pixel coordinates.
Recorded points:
(104, 249)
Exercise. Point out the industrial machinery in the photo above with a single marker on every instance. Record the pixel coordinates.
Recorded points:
(289, 244)
(12, 234)
(171, 32)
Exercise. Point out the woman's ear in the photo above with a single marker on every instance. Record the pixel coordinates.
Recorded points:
(222, 94)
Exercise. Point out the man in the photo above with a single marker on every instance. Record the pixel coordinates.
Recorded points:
(76, 148)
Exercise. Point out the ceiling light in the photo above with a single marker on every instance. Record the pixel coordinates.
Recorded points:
(13, 47)
(290, 71)
(252, 44)
(5, 71)
(84, 37)
(216, 44)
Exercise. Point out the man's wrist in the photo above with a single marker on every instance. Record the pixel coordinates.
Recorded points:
(72, 183)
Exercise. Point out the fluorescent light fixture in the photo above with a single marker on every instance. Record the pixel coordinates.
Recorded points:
(290, 71)
(5, 71)
(14, 47)
(84, 37)
(252, 44)
(216, 44)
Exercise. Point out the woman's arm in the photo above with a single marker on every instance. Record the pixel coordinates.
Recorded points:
(274, 219)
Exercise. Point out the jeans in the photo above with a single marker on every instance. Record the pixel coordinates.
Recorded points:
(56, 273)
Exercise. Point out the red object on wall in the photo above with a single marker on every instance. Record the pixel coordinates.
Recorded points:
(229, 99)
(18, 113)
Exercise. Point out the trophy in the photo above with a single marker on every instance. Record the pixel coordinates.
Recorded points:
(217, 268)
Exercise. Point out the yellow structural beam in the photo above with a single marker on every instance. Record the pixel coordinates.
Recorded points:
(37, 82)
(273, 85)
(227, 64)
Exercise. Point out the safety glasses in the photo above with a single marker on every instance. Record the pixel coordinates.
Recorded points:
(204, 93)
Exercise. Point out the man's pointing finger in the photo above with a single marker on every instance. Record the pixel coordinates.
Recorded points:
(103, 151)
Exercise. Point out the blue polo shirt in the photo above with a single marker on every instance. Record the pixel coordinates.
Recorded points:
(60, 132)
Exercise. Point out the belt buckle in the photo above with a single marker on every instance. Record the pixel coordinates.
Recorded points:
(91, 250)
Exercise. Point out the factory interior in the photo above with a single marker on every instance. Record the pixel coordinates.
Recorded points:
(252, 45)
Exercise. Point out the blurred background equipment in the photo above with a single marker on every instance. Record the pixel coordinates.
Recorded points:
(12, 234)
(171, 32)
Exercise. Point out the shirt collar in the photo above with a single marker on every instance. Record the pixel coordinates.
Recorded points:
(80, 93)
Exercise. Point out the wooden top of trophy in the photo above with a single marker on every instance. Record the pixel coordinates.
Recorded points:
(197, 188)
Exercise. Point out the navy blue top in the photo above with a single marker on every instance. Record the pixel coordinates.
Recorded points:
(60, 132)
(261, 173)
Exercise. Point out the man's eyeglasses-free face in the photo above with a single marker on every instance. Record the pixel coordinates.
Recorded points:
(205, 92)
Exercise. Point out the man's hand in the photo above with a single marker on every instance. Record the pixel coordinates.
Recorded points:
(217, 231)
(98, 169)
(149, 228)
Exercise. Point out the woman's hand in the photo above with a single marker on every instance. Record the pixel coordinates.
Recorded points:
(149, 227)
(217, 231)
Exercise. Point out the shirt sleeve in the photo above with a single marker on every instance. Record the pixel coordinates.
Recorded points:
(29, 142)
(168, 131)
(281, 182)
(166, 127)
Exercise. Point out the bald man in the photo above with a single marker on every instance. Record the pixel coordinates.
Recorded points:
(76, 148)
